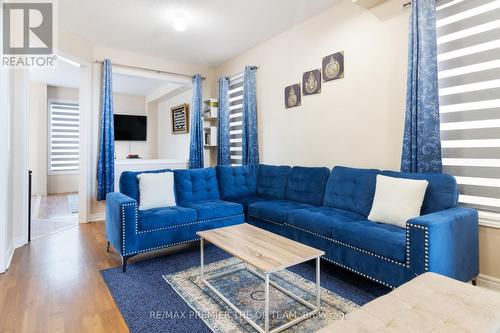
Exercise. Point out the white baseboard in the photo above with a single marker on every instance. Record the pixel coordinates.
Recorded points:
(9, 256)
(488, 282)
(97, 217)
(18, 242)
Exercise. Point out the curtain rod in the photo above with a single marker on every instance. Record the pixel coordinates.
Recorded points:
(240, 73)
(149, 69)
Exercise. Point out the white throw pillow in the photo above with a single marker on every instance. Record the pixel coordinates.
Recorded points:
(397, 200)
(156, 190)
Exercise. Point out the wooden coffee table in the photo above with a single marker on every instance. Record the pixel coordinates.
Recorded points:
(267, 253)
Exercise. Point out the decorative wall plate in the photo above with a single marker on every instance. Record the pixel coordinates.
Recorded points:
(311, 82)
(292, 96)
(333, 66)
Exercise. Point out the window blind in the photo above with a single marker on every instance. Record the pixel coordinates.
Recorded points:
(64, 137)
(235, 117)
(468, 38)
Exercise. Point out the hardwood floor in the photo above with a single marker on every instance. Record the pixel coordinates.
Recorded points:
(53, 285)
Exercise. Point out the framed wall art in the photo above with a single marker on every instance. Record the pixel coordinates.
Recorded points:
(311, 82)
(333, 66)
(180, 119)
(292, 96)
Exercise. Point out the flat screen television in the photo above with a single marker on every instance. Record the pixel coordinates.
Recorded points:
(130, 128)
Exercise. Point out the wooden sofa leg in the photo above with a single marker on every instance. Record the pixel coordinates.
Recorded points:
(107, 247)
(474, 281)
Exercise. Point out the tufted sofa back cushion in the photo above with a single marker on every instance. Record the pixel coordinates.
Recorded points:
(237, 182)
(129, 184)
(271, 183)
(441, 193)
(196, 185)
(351, 189)
(307, 185)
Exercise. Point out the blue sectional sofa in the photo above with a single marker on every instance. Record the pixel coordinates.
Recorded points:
(315, 206)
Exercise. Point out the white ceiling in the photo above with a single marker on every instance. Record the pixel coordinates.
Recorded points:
(217, 29)
(67, 75)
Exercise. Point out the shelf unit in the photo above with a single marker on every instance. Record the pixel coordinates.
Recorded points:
(210, 114)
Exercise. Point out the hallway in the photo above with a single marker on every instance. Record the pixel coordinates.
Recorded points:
(53, 213)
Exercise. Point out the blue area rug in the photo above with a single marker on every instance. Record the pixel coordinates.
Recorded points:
(149, 304)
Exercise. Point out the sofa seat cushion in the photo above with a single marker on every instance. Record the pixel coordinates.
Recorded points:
(247, 201)
(165, 217)
(320, 220)
(215, 209)
(275, 210)
(386, 240)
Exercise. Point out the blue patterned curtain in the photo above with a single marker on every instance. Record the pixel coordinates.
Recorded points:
(196, 145)
(250, 140)
(223, 153)
(422, 142)
(106, 162)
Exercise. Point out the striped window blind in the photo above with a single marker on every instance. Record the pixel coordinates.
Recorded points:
(64, 138)
(235, 117)
(468, 38)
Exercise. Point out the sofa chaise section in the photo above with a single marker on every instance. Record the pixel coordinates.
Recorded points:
(443, 239)
(132, 231)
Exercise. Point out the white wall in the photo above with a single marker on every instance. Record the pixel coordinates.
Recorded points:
(131, 105)
(355, 121)
(63, 94)
(37, 135)
(171, 145)
(6, 248)
(152, 113)
(17, 230)
(62, 183)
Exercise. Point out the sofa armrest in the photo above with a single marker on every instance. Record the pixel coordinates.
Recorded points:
(445, 242)
(121, 221)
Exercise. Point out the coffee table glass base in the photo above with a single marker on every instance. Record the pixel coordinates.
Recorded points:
(265, 277)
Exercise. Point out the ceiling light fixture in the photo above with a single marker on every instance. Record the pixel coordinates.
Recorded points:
(180, 23)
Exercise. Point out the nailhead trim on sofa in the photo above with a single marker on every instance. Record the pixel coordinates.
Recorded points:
(347, 245)
(164, 246)
(190, 223)
(357, 272)
(136, 217)
(426, 243)
(407, 264)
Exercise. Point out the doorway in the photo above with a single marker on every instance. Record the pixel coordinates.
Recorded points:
(54, 146)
